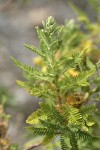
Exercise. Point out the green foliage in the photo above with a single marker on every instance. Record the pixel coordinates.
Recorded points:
(96, 5)
(13, 147)
(63, 112)
(63, 143)
(5, 101)
(5, 96)
(84, 34)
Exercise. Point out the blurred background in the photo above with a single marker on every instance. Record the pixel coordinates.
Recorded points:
(18, 19)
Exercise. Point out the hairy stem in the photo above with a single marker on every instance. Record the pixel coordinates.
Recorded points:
(59, 97)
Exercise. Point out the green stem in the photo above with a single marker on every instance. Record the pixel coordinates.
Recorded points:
(59, 97)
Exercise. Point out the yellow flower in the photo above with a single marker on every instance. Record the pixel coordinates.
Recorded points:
(87, 45)
(37, 61)
(73, 72)
(44, 68)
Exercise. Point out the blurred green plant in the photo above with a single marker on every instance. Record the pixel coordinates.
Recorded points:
(87, 31)
(66, 87)
(5, 101)
(96, 6)
(88, 39)
(5, 97)
(5, 141)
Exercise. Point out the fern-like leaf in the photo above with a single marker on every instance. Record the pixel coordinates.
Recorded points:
(75, 116)
(84, 135)
(34, 49)
(73, 142)
(49, 125)
(22, 66)
(33, 72)
(63, 143)
(35, 117)
(40, 131)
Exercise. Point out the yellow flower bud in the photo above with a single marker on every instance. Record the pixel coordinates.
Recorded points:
(37, 61)
(44, 69)
(73, 72)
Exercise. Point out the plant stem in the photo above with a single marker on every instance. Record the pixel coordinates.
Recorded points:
(34, 146)
(59, 98)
